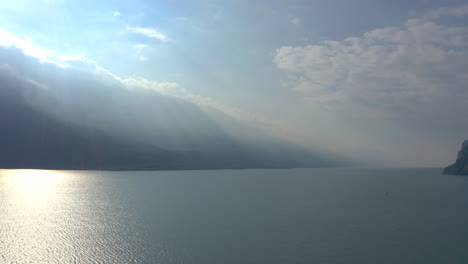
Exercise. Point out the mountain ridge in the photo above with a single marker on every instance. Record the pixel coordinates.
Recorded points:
(32, 139)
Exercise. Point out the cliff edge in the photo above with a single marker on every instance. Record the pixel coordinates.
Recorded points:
(460, 167)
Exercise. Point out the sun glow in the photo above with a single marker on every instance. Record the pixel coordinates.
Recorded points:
(34, 183)
(33, 209)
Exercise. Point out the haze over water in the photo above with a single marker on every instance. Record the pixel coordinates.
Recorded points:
(248, 216)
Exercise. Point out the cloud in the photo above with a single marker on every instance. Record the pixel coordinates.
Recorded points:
(456, 11)
(418, 71)
(139, 52)
(84, 94)
(136, 83)
(116, 14)
(140, 47)
(135, 111)
(25, 44)
(148, 32)
(78, 61)
(295, 21)
(174, 90)
(77, 89)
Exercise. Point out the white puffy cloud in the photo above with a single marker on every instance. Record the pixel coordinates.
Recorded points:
(148, 32)
(419, 70)
(116, 14)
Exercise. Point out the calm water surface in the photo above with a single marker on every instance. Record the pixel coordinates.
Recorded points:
(246, 216)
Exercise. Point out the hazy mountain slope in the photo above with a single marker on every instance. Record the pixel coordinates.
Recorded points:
(54, 117)
(30, 139)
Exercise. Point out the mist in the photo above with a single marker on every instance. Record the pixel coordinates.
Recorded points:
(86, 97)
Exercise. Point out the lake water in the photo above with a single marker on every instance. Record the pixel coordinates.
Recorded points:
(245, 216)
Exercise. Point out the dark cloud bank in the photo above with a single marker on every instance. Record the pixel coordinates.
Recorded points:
(71, 118)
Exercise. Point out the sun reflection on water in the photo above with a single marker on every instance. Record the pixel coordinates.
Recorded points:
(65, 217)
(35, 184)
(31, 207)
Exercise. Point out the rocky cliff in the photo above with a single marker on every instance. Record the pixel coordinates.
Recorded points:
(460, 167)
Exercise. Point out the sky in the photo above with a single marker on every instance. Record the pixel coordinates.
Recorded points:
(385, 82)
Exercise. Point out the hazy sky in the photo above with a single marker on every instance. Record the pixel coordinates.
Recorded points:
(383, 81)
